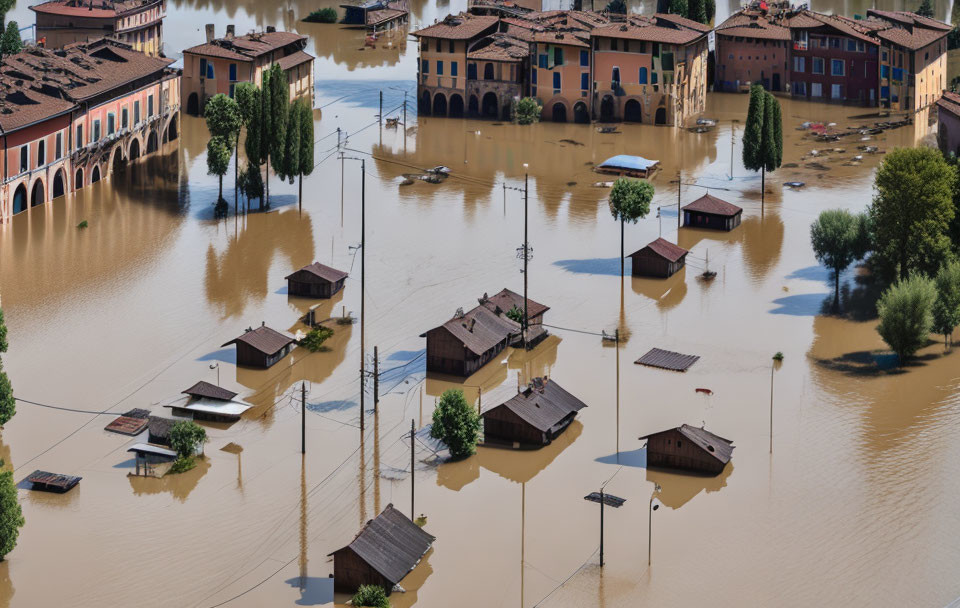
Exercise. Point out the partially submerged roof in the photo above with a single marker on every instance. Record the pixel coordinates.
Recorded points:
(480, 329)
(626, 162)
(667, 359)
(713, 205)
(229, 409)
(127, 425)
(248, 46)
(209, 391)
(505, 300)
(649, 30)
(160, 427)
(391, 544)
(267, 341)
(458, 27)
(52, 480)
(321, 271)
(543, 404)
(715, 445)
(664, 249)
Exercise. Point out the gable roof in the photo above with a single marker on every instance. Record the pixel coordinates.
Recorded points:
(542, 405)
(506, 299)
(683, 21)
(391, 544)
(664, 249)
(480, 329)
(711, 204)
(715, 445)
(206, 390)
(499, 47)
(321, 271)
(264, 339)
(646, 30)
(915, 38)
(160, 427)
(950, 102)
(248, 46)
(908, 18)
(458, 27)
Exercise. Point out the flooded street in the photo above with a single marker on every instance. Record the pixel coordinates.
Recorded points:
(855, 506)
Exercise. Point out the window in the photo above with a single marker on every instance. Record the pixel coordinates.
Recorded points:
(58, 150)
(860, 46)
(425, 45)
(439, 68)
(556, 80)
(488, 71)
(837, 67)
(643, 76)
(926, 56)
(851, 46)
(835, 43)
(596, 44)
(884, 71)
(426, 67)
(41, 153)
(96, 130)
(626, 46)
(533, 76)
(136, 112)
(233, 72)
(79, 136)
(451, 47)
(818, 65)
(898, 74)
(24, 158)
(210, 70)
(584, 81)
(472, 72)
(557, 56)
(656, 49)
(816, 89)
(584, 59)
(203, 67)
(653, 78)
(615, 77)
(453, 68)
(613, 44)
(111, 123)
(836, 91)
(799, 64)
(883, 55)
(149, 106)
(800, 88)
(542, 61)
(679, 443)
(124, 118)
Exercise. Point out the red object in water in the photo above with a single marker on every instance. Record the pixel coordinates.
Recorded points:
(763, 6)
(705, 391)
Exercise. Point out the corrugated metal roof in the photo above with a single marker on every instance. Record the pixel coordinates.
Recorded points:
(666, 359)
(64, 482)
(543, 405)
(149, 448)
(480, 329)
(127, 425)
(391, 544)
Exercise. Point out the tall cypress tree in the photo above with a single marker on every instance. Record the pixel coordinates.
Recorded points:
(763, 136)
(753, 130)
(277, 109)
(291, 150)
(305, 156)
(678, 7)
(697, 10)
(250, 99)
(11, 517)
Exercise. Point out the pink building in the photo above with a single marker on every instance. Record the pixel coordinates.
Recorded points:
(948, 128)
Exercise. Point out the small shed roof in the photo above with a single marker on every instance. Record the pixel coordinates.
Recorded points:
(213, 406)
(715, 445)
(264, 339)
(950, 102)
(713, 205)
(626, 162)
(391, 544)
(481, 329)
(206, 390)
(149, 448)
(506, 300)
(543, 404)
(127, 425)
(666, 359)
(664, 249)
(321, 271)
(160, 427)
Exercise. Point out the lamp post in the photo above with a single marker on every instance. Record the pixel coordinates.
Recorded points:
(653, 507)
(216, 366)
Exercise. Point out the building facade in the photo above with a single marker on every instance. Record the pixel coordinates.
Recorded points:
(59, 136)
(138, 23)
(220, 63)
(948, 128)
(750, 48)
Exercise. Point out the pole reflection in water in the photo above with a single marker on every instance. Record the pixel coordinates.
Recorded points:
(303, 523)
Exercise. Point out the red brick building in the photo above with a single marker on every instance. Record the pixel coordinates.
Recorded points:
(751, 47)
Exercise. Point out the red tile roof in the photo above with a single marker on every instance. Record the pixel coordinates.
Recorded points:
(917, 39)
(950, 102)
(711, 204)
(294, 59)
(98, 9)
(908, 18)
(458, 27)
(248, 46)
(749, 25)
(642, 29)
(688, 23)
(499, 47)
(567, 38)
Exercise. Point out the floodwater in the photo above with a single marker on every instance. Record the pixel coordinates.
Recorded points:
(855, 506)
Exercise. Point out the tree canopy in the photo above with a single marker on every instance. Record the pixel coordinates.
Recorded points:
(8, 405)
(370, 596)
(278, 112)
(834, 236)
(925, 9)
(946, 308)
(223, 117)
(456, 424)
(11, 516)
(630, 199)
(906, 315)
(10, 42)
(911, 212)
(186, 437)
(527, 111)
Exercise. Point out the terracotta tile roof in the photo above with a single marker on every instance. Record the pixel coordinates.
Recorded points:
(522, 23)
(917, 39)
(844, 26)
(248, 46)
(566, 38)
(75, 8)
(391, 11)
(267, 341)
(677, 19)
(664, 249)
(505, 300)
(908, 18)
(458, 27)
(295, 59)
(499, 47)
(638, 29)
(752, 26)
(321, 271)
(711, 204)
(804, 19)
(38, 83)
(950, 102)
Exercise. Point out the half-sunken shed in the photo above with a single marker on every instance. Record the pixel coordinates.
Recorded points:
(315, 281)
(468, 341)
(261, 347)
(533, 417)
(709, 211)
(661, 259)
(689, 448)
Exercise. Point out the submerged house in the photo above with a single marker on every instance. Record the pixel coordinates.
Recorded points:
(261, 347)
(158, 430)
(376, 15)
(468, 341)
(501, 303)
(382, 553)
(689, 448)
(206, 401)
(315, 281)
(533, 417)
(660, 259)
(711, 212)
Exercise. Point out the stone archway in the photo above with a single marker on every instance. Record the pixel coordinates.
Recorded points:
(489, 105)
(193, 105)
(58, 185)
(473, 106)
(606, 108)
(559, 112)
(20, 199)
(172, 132)
(117, 164)
(95, 174)
(439, 105)
(152, 142)
(37, 193)
(633, 111)
(456, 106)
(78, 180)
(661, 116)
(580, 113)
(134, 149)
(424, 106)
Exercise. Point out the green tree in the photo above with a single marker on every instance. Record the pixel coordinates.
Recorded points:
(946, 309)
(629, 202)
(225, 120)
(324, 15)
(762, 135)
(305, 155)
(186, 437)
(370, 596)
(515, 314)
(315, 338)
(834, 239)
(617, 6)
(4, 345)
(250, 99)
(925, 9)
(291, 150)
(218, 161)
(678, 7)
(697, 11)
(526, 111)
(711, 7)
(10, 42)
(456, 423)
(278, 101)
(11, 517)
(8, 405)
(906, 315)
(911, 212)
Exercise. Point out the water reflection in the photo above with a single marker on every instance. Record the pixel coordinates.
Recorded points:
(6, 585)
(679, 488)
(667, 293)
(177, 485)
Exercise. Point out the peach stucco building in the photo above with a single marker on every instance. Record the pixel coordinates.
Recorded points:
(138, 23)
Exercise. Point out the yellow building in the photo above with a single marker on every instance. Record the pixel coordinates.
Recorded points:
(138, 23)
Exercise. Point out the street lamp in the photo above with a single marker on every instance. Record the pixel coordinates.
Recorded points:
(653, 507)
(216, 366)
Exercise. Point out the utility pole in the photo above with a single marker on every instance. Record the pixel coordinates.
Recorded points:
(376, 379)
(616, 337)
(380, 115)
(604, 499)
(526, 254)
(413, 434)
(479, 400)
(504, 199)
(601, 527)
(363, 277)
(679, 182)
(303, 419)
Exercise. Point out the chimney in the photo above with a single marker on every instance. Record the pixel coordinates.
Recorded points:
(210, 36)
(271, 29)
(231, 31)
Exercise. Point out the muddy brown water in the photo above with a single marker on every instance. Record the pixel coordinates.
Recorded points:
(855, 506)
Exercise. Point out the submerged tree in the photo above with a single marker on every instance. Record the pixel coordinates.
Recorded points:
(456, 424)
(11, 516)
(370, 596)
(526, 111)
(946, 308)
(186, 438)
(218, 161)
(925, 9)
(305, 155)
(629, 202)
(906, 315)
(224, 120)
(834, 237)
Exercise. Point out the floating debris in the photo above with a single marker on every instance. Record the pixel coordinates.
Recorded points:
(52, 482)
(603, 184)
(858, 158)
(789, 166)
(571, 184)
(707, 275)
(869, 149)
(607, 130)
(794, 184)
(818, 166)
(572, 142)
(705, 391)
(706, 122)
(666, 359)
(392, 123)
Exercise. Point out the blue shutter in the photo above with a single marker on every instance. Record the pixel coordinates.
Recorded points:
(556, 80)
(584, 58)
(643, 76)
(585, 81)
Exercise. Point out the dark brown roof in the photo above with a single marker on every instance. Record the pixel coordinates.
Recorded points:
(458, 27)
(37, 83)
(267, 341)
(667, 359)
(248, 46)
(752, 25)
(101, 9)
(499, 47)
(950, 102)
(647, 29)
(664, 249)
(678, 20)
(711, 204)
(63, 482)
(480, 329)
(543, 405)
(321, 271)
(715, 445)
(127, 425)
(209, 391)
(914, 40)
(501, 302)
(391, 544)
(908, 18)
(160, 427)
